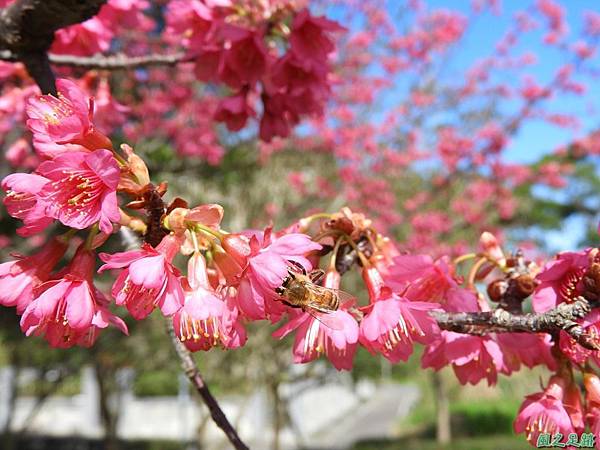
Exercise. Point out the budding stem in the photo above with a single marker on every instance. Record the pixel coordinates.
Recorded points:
(89, 241)
(463, 258)
(210, 231)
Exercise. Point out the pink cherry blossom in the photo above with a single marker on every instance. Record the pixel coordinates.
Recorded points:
(20, 277)
(68, 310)
(527, 349)
(473, 358)
(422, 279)
(199, 324)
(66, 119)
(544, 412)
(245, 60)
(560, 280)
(310, 37)
(574, 351)
(149, 278)
(234, 111)
(22, 201)
(81, 189)
(335, 335)
(592, 395)
(392, 325)
(83, 39)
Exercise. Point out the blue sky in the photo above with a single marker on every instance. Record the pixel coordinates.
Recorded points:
(536, 137)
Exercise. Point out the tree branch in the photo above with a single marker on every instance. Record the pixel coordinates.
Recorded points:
(500, 321)
(155, 208)
(112, 62)
(193, 374)
(27, 30)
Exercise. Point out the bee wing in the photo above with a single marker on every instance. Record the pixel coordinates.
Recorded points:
(329, 320)
(319, 290)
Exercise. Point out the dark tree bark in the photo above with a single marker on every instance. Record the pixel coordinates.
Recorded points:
(442, 404)
(105, 377)
(27, 30)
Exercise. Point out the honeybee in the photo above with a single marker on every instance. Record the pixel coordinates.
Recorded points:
(300, 290)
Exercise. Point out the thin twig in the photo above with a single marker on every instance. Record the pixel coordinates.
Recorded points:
(191, 371)
(111, 62)
(116, 62)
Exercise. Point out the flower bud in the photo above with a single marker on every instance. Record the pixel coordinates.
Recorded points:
(237, 246)
(592, 388)
(136, 165)
(197, 275)
(489, 245)
(332, 279)
(175, 220)
(524, 285)
(496, 289)
(373, 281)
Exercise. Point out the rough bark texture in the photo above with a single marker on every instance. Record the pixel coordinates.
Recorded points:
(27, 30)
(563, 317)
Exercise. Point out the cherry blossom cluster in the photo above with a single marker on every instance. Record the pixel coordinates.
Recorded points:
(426, 124)
(269, 60)
(247, 45)
(233, 278)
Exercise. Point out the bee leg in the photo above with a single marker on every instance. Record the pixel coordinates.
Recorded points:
(316, 276)
(281, 289)
(298, 266)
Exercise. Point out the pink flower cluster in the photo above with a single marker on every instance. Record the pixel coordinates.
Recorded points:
(77, 183)
(95, 35)
(244, 51)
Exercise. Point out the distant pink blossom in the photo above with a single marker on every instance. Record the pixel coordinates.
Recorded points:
(310, 38)
(234, 111)
(245, 60)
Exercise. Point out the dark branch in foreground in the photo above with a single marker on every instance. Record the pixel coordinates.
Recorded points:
(113, 62)
(500, 321)
(191, 371)
(27, 30)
